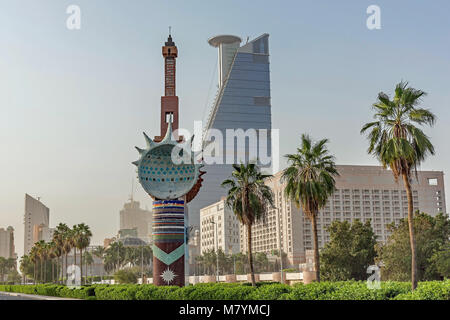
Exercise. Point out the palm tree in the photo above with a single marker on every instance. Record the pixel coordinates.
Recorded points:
(51, 251)
(88, 260)
(2, 269)
(99, 252)
(41, 248)
(82, 239)
(309, 182)
(396, 141)
(33, 258)
(25, 263)
(249, 199)
(73, 242)
(58, 239)
(67, 244)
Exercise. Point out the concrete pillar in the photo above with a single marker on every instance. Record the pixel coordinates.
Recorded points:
(210, 279)
(249, 277)
(309, 276)
(276, 276)
(229, 278)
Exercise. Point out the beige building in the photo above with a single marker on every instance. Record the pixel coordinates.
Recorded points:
(133, 217)
(7, 249)
(42, 232)
(363, 192)
(36, 222)
(219, 228)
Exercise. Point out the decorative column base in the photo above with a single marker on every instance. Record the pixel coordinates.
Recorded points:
(168, 243)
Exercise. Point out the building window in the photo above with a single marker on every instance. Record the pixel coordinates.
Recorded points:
(432, 181)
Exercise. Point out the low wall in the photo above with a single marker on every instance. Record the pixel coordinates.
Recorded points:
(289, 278)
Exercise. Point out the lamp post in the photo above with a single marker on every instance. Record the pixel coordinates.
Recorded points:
(216, 240)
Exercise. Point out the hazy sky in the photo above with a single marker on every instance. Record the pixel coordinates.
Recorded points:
(73, 104)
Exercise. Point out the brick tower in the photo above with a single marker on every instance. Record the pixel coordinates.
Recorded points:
(169, 102)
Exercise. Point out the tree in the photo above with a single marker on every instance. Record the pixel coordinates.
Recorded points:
(127, 275)
(34, 258)
(3, 269)
(41, 248)
(58, 239)
(67, 237)
(26, 267)
(441, 260)
(82, 238)
(88, 260)
(99, 252)
(350, 251)
(14, 276)
(114, 256)
(432, 236)
(249, 198)
(396, 141)
(51, 252)
(310, 181)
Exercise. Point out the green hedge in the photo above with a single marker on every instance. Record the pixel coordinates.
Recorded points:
(344, 290)
(52, 290)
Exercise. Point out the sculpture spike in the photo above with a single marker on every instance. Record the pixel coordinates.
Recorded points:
(148, 140)
(168, 136)
(141, 151)
(136, 163)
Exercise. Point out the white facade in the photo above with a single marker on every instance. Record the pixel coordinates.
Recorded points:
(363, 192)
(219, 229)
(36, 216)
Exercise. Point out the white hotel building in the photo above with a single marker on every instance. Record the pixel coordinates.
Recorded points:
(219, 229)
(363, 192)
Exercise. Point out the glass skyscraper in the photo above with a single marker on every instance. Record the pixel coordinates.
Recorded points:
(242, 102)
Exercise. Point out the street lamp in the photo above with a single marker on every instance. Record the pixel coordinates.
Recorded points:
(216, 240)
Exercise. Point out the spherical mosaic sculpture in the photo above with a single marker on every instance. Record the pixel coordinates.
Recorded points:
(167, 172)
(160, 177)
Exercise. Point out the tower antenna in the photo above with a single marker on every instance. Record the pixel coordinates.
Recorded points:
(132, 190)
(170, 30)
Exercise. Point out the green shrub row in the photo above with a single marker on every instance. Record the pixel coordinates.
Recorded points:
(52, 290)
(344, 290)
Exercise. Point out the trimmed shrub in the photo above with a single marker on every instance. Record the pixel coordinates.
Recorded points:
(429, 290)
(342, 290)
(270, 292)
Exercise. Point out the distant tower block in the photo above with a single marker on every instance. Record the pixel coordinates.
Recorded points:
(227, 45)
(169, 102)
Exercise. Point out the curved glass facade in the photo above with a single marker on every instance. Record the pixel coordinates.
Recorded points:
(243, 102)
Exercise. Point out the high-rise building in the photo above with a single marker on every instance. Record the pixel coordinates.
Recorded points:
(42, 232)
(242, 102)
(36, 218)
(219, 229)
(7, 249)
(133, 217)
(363, 192)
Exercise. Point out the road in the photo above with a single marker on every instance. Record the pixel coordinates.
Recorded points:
(8, 297)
